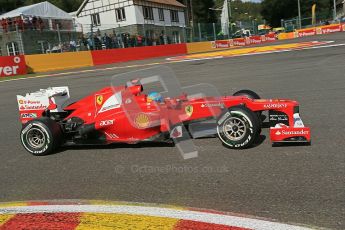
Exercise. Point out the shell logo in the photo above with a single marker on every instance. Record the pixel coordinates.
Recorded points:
(142, 121)
(16, 60)
(318, 30)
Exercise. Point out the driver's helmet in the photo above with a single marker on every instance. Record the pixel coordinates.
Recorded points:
(154, 96)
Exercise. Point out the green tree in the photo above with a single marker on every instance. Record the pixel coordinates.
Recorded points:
(275, 10)
(201, 10)
(8, 5)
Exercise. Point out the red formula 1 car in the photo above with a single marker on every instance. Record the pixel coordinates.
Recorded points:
(125, 114)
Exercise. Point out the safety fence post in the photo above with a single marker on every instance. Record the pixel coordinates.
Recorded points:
(199, 27)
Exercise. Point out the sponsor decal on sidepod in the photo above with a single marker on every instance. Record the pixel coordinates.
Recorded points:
(106, 123)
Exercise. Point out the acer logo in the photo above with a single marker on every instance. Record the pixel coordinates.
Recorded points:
(106, 123)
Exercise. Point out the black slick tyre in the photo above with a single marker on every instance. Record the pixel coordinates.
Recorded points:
(41, 137)
(238, 128)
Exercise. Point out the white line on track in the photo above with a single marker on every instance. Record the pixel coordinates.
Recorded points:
(203, 217)
(170, 61)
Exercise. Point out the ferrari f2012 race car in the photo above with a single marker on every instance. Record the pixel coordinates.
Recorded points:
(125, 114)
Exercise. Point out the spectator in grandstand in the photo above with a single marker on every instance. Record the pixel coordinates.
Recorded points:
(120, 41)
(4, 24)
(34, 22)
(161, 38)
(139, 40)
(90, 43)
(9, 24)
(40, 23)
(107, 41)
(98, 43)
(72, 46)
(114, 41)
(20, 23)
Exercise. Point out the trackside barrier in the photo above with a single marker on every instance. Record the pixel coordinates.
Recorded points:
(198, 47)
(284, 36)
(252, 40)
(102, 57)
(58, 61)
(12, 66)
(334, 28)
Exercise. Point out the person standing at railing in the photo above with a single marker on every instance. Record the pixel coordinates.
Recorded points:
(26, 22)
(72, 46)
(34, 22)
(139, 40)
(9, 24)
(20, 23)
(4, 25)
(40, 23)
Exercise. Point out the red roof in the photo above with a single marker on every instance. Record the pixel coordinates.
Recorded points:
(167, 2)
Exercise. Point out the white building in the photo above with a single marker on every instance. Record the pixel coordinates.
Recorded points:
(150, 18)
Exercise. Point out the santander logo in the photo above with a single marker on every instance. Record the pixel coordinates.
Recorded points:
(287, 133)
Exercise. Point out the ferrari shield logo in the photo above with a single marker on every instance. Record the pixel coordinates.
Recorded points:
(99, 99)
(189, 110)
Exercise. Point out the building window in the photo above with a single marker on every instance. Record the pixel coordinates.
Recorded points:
(120, 14)
(174, 15)
(148, 13)
(95, 19)
(176, 37)
(12, 49)
(161, 14)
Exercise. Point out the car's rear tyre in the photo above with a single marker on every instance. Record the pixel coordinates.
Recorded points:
(41, 137)
(238, 128)
(247, 93)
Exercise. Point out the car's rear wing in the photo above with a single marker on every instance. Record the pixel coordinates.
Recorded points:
(32, 105)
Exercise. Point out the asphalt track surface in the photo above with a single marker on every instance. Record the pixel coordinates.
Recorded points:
(303, 184)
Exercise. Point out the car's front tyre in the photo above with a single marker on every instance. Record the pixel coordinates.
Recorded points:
(247, 93)
(41, 137)
(238, 128)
